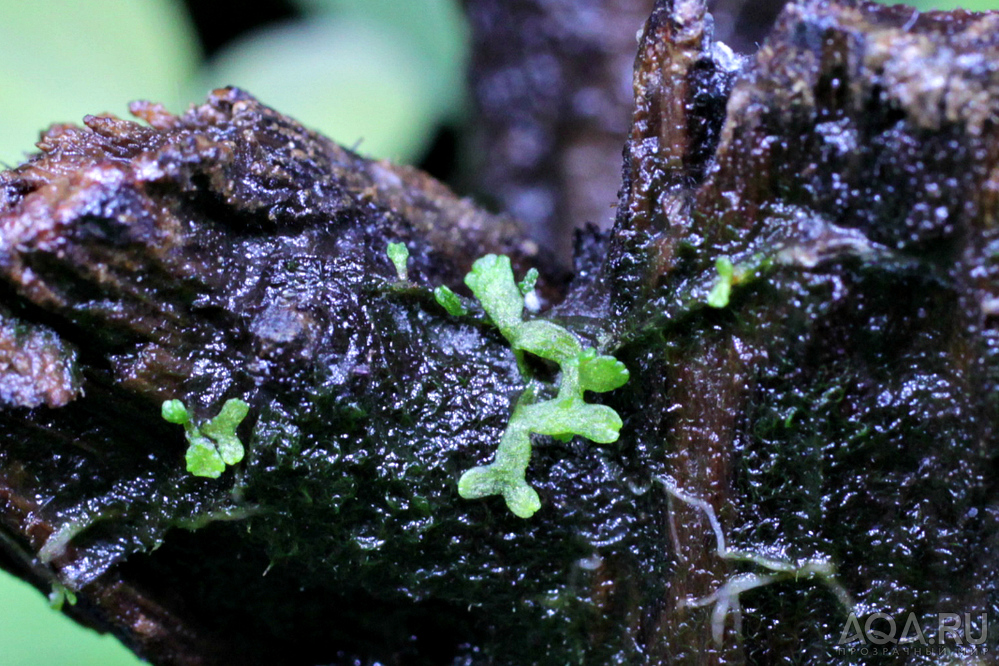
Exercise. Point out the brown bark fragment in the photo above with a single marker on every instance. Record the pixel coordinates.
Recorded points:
(837, 404)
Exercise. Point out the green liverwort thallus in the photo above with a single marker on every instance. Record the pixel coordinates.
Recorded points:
(568, 414)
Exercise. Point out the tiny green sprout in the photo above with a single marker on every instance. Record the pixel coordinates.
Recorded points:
(214, 444)
(527, 285)
(399, 254)
(720, 293)
(491, 281)
(59, 595)
(450, 301)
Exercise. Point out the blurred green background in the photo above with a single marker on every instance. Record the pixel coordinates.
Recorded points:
(382, 75)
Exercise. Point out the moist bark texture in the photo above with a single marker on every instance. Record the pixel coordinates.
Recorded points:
(802, 278)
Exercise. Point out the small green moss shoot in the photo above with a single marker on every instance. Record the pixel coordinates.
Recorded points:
(722, 291)
(399, 254)
(492, 282)
(214, 444)
(732, 275)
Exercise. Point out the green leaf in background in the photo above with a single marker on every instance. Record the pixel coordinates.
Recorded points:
(32, 634)
(435, 29)
(348, 77)
(64, 60)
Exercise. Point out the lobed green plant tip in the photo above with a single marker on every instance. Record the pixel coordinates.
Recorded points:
(450, 301)
(175, 412)
(398, 253)
(527, 285)
(59, 595)
(568, 414)
(214, 444)
(491, 281)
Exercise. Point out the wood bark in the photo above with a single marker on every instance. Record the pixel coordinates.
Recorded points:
(801, 278)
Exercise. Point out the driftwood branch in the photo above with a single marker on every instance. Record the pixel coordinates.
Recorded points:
(801, 279)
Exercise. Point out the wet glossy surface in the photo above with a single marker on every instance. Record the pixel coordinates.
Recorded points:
(841, 406)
